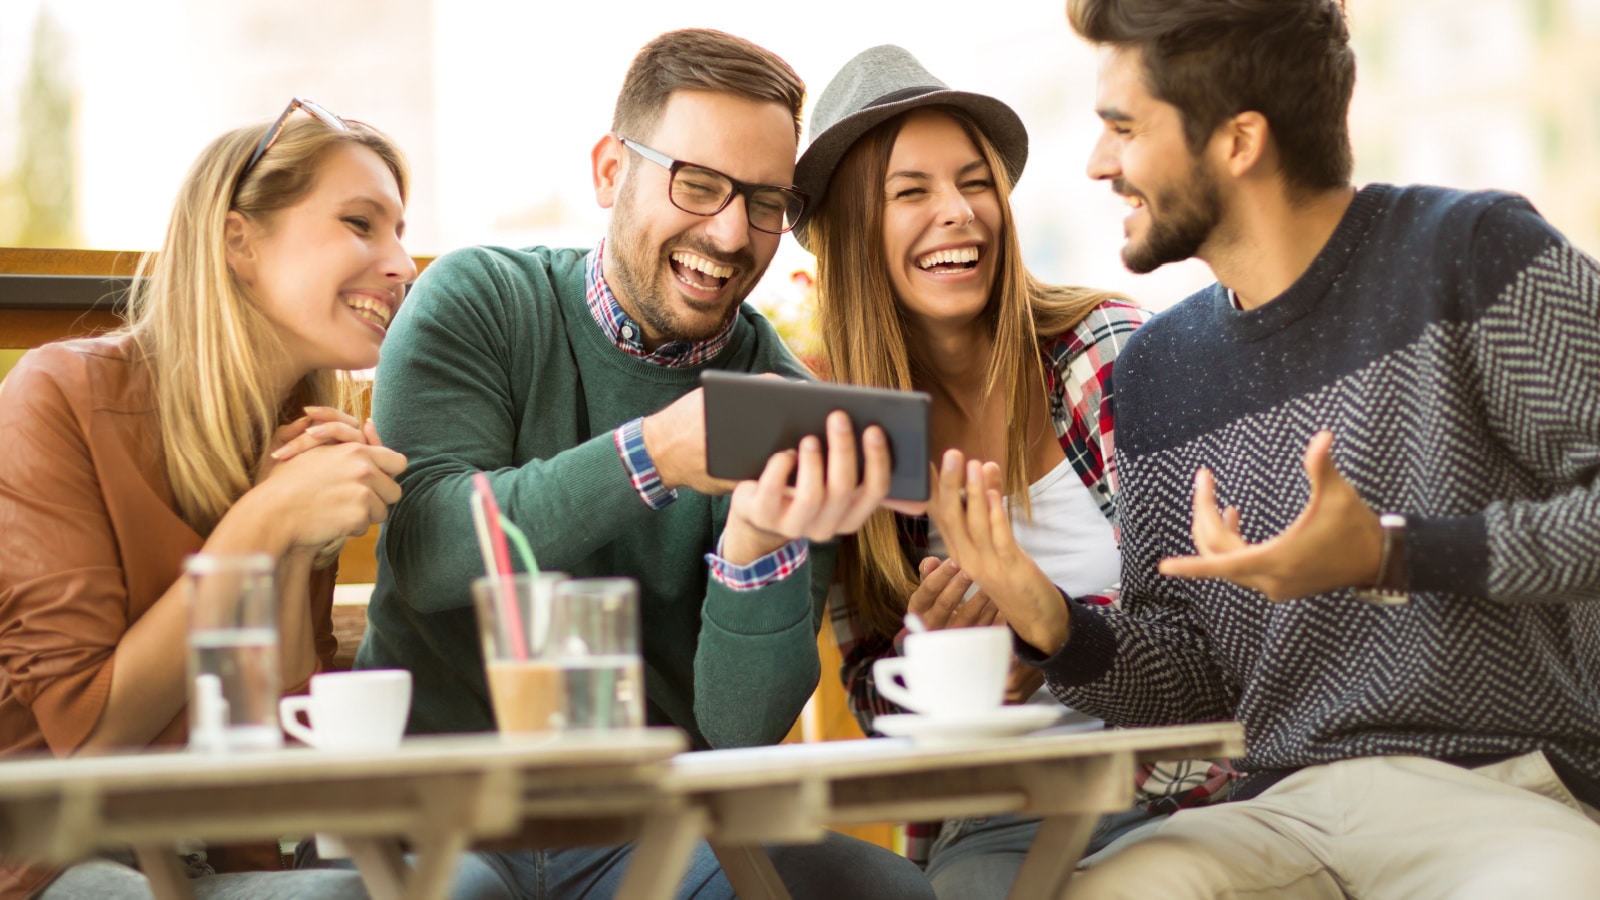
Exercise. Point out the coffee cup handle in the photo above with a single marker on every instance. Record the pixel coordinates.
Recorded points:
(884, 673)
(289, 710)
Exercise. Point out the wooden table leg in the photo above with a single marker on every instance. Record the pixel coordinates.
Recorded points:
(661, 854)
(168, 880)
(1054, 856)
(381, 864)
(435, 866)
(750, 871)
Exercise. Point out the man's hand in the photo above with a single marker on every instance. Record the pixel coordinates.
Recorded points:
(675, 438)
(826, 500)
(1335, 542)
(978, 535)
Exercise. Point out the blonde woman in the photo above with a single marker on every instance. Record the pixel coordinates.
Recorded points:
(921, 285)
(220, 419)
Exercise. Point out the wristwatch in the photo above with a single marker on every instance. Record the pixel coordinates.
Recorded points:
(1393, 585)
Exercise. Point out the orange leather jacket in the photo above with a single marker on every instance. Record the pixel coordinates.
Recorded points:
(90, 538)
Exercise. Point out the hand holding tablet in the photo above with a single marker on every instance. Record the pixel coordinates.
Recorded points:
(751, 417)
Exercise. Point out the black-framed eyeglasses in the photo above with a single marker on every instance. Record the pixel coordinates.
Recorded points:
(271, 137)
(706, 192)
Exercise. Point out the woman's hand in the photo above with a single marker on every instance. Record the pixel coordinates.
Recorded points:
(320, 425)
(978, 534)
(941, 599)
(1023, 682)
(326, 492)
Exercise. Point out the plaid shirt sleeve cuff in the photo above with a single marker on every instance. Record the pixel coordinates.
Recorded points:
(640, 467)
(769, 569)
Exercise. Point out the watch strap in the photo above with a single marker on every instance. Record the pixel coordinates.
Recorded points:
(1394, 581)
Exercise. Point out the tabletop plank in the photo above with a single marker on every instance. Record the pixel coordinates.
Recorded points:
(877, 756)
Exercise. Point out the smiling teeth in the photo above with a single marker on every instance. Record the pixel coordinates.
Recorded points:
(701, 264)
(375, 310)
(1133, 201)
(940, 257)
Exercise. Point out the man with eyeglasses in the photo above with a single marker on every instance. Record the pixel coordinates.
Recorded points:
(571, 378)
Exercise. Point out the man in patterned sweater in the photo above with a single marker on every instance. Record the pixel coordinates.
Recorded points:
(1360, 490)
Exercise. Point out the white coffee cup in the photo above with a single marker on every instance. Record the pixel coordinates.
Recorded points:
(951, 672)
(364, 710)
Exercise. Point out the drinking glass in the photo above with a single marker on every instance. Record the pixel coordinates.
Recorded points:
(516, 625)
(597, 647)
(234, 682)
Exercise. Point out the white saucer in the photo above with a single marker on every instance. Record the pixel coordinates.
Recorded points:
(1002, 722)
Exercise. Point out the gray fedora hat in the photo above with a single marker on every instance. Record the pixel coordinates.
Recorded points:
(877, 85)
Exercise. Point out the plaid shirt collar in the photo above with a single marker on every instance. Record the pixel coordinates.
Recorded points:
(629, 337)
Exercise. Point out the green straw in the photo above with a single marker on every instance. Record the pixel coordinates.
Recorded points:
(520, 541)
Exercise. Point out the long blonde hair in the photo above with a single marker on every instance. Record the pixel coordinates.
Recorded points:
(864, 341)
(208, 346)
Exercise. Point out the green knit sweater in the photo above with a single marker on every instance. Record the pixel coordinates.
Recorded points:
(495, 364)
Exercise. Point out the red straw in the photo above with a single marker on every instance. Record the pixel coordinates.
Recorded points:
(502, 561)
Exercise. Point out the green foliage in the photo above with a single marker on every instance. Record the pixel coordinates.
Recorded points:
(38, 202)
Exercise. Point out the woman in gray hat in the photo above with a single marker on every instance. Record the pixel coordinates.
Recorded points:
(921, 285)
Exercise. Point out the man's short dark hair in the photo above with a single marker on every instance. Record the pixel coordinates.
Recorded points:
(701, 59)
(1289, 60)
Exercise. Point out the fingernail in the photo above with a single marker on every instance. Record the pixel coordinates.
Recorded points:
(874, 437)
(950, 464)
(809, 443)
(316, 430)
(278, 453)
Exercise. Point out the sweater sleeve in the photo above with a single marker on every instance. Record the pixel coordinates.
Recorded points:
(754, 668)
(63, 604)
(1536, 351)
(458, 348)
(1147, 663)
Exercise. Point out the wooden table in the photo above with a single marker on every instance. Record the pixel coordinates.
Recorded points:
(442, 795)
(438, 795)
(787, 794)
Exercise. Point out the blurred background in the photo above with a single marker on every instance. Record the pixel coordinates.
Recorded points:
(103, 104)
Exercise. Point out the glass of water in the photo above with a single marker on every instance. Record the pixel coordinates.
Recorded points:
(234, 683)
(597, 647)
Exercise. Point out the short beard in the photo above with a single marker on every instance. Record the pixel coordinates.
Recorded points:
(634, 267)
(1190, 213)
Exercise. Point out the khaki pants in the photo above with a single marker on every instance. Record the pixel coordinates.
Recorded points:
(1382, 827)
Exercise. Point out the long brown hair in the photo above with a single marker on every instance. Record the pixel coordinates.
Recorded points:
(863, 330)
(208, 345)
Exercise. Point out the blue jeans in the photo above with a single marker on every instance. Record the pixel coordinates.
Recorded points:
(106, 880)
(838, 868)
(978, 858)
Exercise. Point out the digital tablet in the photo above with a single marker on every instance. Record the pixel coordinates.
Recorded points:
(751, 417)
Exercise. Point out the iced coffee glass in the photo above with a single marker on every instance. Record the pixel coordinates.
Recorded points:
(516, 625)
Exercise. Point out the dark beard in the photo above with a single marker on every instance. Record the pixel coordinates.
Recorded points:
(633, 265)
(1186, 222)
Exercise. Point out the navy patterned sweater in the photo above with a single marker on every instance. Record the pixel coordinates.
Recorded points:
(1451, 341)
